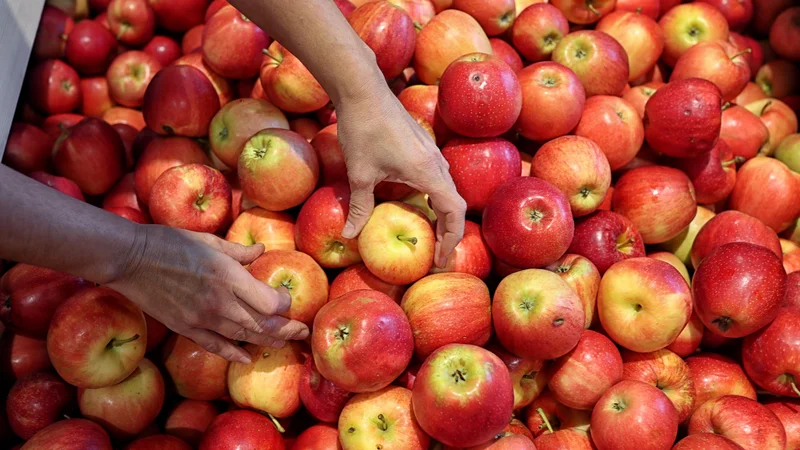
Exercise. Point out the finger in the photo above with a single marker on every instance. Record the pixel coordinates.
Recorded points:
(236, 332)
(272, 325)
(362, 202)
(217, 344)
(259, 296)
(242, 254)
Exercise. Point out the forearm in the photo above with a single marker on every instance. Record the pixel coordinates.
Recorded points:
(41, 226)
(317, 33)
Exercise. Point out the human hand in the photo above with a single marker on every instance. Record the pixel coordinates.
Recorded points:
(382, 142)
(195, 284)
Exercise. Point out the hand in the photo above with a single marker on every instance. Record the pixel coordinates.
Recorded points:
(195, 285)
(382, 142)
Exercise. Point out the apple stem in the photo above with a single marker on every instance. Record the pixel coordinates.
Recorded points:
(593, 9)
(266, 52)
(766, 105)
(747, 50)
(411, 240)
(726, 106)
(544, 418)
(794, 388)
(417, 26)
(121, 342)
(639, 10)
(739, 159)
(728, 163)
(277, 424)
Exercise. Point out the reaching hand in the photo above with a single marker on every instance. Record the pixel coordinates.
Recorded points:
(382, 142)
(195, 285)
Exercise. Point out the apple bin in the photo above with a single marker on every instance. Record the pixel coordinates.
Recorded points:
(628, 276)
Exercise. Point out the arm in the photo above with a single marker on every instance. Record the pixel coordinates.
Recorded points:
(379, 139)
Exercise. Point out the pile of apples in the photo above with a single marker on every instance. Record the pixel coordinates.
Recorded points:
(629, 276)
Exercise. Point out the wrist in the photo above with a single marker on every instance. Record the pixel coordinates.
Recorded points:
(131, 258)
(361, 80)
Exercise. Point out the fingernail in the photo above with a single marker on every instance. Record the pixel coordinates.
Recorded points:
(278, 344)
(349, 231)
(303, 335)
(245, 361)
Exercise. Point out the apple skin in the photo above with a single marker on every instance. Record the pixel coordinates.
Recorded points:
(275, 230)
(712, 174)
(538, 30)
(787, 412)
(300, 275)
(158, 442)
(389, 31)
(760, 177)
(91, 154)
(733, 226)
(271, 382)
(778, 78)
(70, 434)
(54, 125)
(561, 417)
(745, 134)
(131, 21)
(580, 377)
(61, 184)
(308, 128)
(599, 61)
(788, 152)
(180, 100)
(318, 437)
(768, 355)
(164, 49)
(278, 169)
(495, 17)
(524, 214)
(330, 155)
(638, 96)
(36, 401)
(689, 340)
(397, 243)
(90, 47)
(779, 119)
(20, 356)
(681, 245)
(193, 197)
(666, 371)
(673, 261)
(448, 308)
(720, 62)
(323, 399)
(584, 278)
(613, 124)
(706, 441)
(421, 11)
(453, 26)
(738, 14)
(553, 100)
(582, 13)
(479, 96)
(507, 53)
(52, 34)
(529, 378)
(715, 376)
(480, 395)
(346, 332)
(471, 255)
(241, 429)
(288, 83)
(122, 115)
(232, 44)
(479, 167)
(783, 34)
(223, 86)
(28, 148)
(605, 238)
(319, 228)
(29, 296)
(179, 16)
(194, 372)
(358, 277)
(54, 87)
(689, 24)
(381, 419)
(742, 420)
(571, 439)
(670, 130)
(639, 35)
(162, 154)
(189, 419)
(96, 338)
(237, 122)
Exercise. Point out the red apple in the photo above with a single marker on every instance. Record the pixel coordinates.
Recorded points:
(738, 13)
(649, 8)
(779, 119)
(160, 155)
(91, 154)
(158, 442)
(712, 174)
(787, 411)
(599, 61)
(96, 97)
(584, 278)
(606, 238)
(569, 438)
(422, 99)
(689, 340)
(768, 355)
(195, 373)
(358, 277)
(36, 401)
(538, 30)
(121, 115)
(52, 34)
(720, 62)
(70, 434)
(634, 402)
(580, 377)
(527, 223)
(715, 376)
(784, 34)
(318, 437)
(129, 76)
(90, 47)
(288, 84)
(233, 45)
(495, 16)
(778, 78)
(558, 417)
(323, 399)
(235, 429)
(28, 148)
(638, 96)
(274, 230)
(459, 29)
(330, 155)
(237, 122)
(389, 31)
(128, 135)
(639, 35)
(503, 50)
(706, 441)
(180, 100)
(308, 128)
(21, 355)
(319, 226)
(165, 50)
(385, 417)
(54, 125)
(686, 25)
(529, 378)
(613, 124)
(764, 177)
(479, 96)
(189, 420)
(223, 86)
(743, 132)
(193, 40)
(742, 420)
(732, 226)
(61, 184)
(346, 332)
(583, 13)
(132, 21)
(471, 255)
(666, 371)
(54, 87)
(755, 57)
(179, 16)
(270, 383)
(193, 197)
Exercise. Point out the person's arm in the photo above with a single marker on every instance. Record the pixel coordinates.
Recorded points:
(380, 140)
(193, 283)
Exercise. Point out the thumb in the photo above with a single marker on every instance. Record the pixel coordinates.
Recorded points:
(242, 254)
(362, 202)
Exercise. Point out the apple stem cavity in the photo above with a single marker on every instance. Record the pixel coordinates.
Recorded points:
(723, 323)
(341, 333)
(270, 56)
(411, 240)
(336, 247)
(459, 376)
(120, 342)
(544, 418)
(381, 423)
(764, 109)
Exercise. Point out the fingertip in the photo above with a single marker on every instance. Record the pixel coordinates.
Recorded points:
(349, 231)
(278, 344)
(243, 359)
(303, 335)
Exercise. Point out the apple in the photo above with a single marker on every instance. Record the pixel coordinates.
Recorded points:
(192, 41)
(29, 296)
(319, 226)
(275, 230)
(614, 125)
(288, 84)
(755, 57)
(689, 340)
(179, 16)
(96, 338)
(131, 21)
(70, 434)
(61, 184)
(397, 243)
(471, 255)
(689, 24)
(271, 382)
(742, 420)
(580, 377)
(158, 442)
(634, 402)
(55, 124)
(237, 122)
(330, 155)
(638, 96)
(720, 62)
(546, 414)
(160, 155)
(779, 119)
(422, 99)
(768, 355)
(681, 245)
(36, 401)
(507, 53)
(599, 61)
(164, 49)
(308, 128)
(21, 355)
(743, 132)
(53, 87)
(193, 197)
(128, 116)
(738, 14)
(787, 412)
(527, 223)
(733, 226)
(129, 76)
(673, 261)
(180, 100)
(529, 378)
(421, 11)
(346, 332)
(639, 35)
(474, 84)
(723, 285)
(763, 176)
(464, 381)
(569, 438)
(194, 372)
(649, 8)
(584, 278)
(28, 148)
(788, 152)
(52, 34)
(465, 34)
(537, 31)
(189, 419)
(128, 135)
(318, 437)
(778, 78)
(552, 101)
(713, 174)
(90, 47)
(278, 169)
(241, 428)
(381, 418)
(358, 277)
(666, 371)
(605, 238)
(232, 44)
(91, 154)
(321, 398)
(300, 275)
(784, 32)
(222, 86)
(707, 441)
(214, 7)
(448, 308)
(389, 31)
(495, 16)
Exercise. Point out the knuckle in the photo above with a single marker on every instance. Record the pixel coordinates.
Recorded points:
(213, 347)
(239, 335)
(269, 324)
